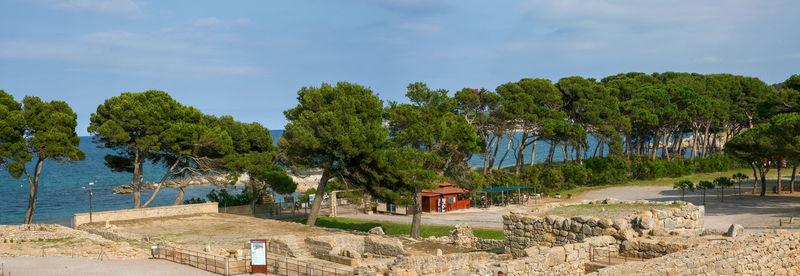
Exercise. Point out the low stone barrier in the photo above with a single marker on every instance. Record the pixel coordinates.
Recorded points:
(525, 230)
(569, 259)
(776, 253)
(150, 212)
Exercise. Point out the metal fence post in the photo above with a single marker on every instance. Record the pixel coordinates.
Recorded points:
(227, 269)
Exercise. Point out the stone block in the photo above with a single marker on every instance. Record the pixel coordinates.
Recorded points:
(377, 230)
(734, 230)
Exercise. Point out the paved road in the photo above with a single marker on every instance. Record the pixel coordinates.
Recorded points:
(23, 266)
(749, 210)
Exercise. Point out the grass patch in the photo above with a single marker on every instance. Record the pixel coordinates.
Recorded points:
(604, 210)
(393, 228)
(52, 240)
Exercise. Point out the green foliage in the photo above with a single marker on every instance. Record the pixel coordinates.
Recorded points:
(714, 163)
(574, 175)
(224, 198)
(44, 130)
(609, 170)
(194, 200)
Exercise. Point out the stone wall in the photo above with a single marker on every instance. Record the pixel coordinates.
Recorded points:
(150, 212)
(776, 253)
(540, 260)
(526, 230)
(343, 249)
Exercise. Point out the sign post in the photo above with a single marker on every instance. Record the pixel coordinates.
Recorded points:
(258, 256)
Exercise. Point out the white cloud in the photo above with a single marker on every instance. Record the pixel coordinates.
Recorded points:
(210, 21)
(127, 7)
(148, 54)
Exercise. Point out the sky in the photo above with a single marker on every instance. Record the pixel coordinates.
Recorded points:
(248, 59)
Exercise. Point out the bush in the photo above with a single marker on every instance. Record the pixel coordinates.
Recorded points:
(716, 162)
(551, 179)
(607, 170)
(227, 199)
(574, 174)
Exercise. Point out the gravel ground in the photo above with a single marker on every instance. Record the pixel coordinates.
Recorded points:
(85, 267)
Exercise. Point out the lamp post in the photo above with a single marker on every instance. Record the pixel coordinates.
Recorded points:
(90, 201)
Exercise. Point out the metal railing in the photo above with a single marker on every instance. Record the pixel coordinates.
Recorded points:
(280, 265)
(201, 260)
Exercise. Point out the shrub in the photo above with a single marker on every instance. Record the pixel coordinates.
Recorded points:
(716, 162)
(551, 179)
(227, 199)
(608, 170)
(574, 175)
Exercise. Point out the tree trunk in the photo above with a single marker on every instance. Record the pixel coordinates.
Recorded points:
(416, 220)
(551, 152)
(314, 213)
(656, 139)
(533, 152)
(763, 182)
(486, 153)
(602, 149)
(596, 147)
(755, 178)
(794, 172)
(34, 190)
(179, 198)
(136, 184)
(779, 177)
(494, 155)
(520, 156)
(503, 159)
(564, 157)
(705, 141)
(161, 183)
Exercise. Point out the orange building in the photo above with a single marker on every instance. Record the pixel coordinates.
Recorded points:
(445, 198)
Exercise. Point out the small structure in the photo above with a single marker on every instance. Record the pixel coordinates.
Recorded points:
(445, 198)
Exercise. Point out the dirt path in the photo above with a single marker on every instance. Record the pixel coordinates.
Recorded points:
(23, 266)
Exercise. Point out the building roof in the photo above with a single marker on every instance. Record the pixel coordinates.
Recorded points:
(444, 188)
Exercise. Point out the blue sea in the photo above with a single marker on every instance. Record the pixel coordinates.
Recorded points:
(63, 188)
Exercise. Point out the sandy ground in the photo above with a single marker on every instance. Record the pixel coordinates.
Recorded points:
(23, 266)
(221, 231)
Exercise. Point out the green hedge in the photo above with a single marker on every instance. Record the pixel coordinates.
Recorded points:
(598, 171)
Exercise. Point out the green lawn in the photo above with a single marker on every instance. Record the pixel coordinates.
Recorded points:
(393, 228)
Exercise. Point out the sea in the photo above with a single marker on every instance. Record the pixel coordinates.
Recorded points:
(64, 188)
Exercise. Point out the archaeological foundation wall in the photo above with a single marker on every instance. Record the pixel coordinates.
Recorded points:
(525, 230)
(753, 254)
(150, 212)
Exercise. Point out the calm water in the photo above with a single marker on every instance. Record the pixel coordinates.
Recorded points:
(63, 187)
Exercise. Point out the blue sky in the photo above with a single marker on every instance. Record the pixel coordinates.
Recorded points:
(249, 58)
